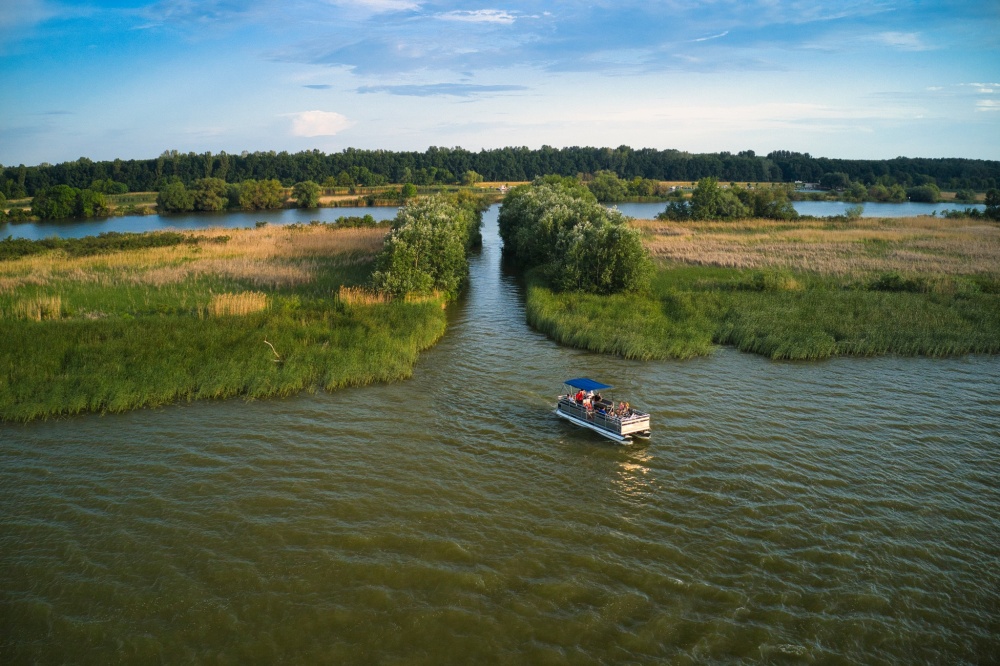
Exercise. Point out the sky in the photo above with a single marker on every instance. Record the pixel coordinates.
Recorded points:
(853, 79)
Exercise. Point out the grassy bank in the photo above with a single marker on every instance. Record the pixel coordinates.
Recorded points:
(252, 313)
(802, 290)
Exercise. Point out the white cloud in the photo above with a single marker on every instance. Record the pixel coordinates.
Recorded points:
(318, 123)
(985, 88)
(25, 13)
(705, 39)
(988, 105)
(904, 41)
(480, 16)
(376, 6)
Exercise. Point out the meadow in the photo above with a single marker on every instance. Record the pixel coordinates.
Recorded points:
(252, 313)
(799, 290)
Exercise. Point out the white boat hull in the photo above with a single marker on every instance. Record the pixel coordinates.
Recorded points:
(621, 439)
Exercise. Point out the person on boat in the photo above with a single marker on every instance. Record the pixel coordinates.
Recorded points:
(598, 399)
(579, 397)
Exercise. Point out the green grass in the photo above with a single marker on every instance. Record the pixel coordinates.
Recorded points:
(108, 341)
(777, 314)
(70, 366)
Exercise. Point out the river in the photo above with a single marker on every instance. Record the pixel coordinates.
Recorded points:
(232, 219)
(845, 511)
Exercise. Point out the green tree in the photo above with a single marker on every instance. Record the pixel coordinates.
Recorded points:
(426, 250)
(174, 198)
(606, 186)
(210, 194)
(836, 180)
(924, 193)
(91, 204)
(711, 202)
(767, 202)
(261, 194)
(54, 203)
(992, 204)
(558, 225)
(470, 177)
(607, 257)
(965, 195)
(306, 193)
(108, 186)
(409, 191)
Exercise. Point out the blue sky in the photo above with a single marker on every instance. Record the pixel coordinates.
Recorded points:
(854, 79)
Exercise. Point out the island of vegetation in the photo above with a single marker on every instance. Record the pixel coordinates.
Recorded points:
(122, 321)
(737, 268)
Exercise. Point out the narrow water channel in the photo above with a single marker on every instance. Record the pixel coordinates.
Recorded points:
(837, 512)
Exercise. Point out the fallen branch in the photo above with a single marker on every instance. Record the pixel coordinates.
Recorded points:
(277, 358)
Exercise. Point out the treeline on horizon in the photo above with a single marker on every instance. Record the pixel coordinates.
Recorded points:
(438, 165)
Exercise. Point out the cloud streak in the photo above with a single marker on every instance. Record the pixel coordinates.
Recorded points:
(441, 89)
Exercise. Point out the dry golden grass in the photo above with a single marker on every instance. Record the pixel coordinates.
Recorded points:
(271, 256)
(906, 245)
(39, 308)
(245, 303)
(361, 296)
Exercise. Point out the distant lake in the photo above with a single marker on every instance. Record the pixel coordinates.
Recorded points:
(187, 221)
(646, 211)
(239, 219)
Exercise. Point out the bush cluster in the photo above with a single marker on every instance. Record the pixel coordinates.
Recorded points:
(557, 225)
(62, 201)
(711, 202)
(426, 249)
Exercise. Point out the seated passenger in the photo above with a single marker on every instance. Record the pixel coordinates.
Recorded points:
(579, 397)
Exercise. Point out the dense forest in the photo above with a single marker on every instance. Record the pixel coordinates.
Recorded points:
(447, 165)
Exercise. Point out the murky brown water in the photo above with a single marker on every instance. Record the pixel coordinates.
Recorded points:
(837, 512)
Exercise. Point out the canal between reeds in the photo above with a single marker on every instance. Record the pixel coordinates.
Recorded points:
(837, 512)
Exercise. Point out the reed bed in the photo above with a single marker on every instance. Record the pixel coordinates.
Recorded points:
(132, 329)
(806, 290)
(918, 244)
(361, 296)
(38, 308)
(227, 305)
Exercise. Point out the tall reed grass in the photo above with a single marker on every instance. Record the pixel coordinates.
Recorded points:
(242, 304)
(805, 290)
(120, 330)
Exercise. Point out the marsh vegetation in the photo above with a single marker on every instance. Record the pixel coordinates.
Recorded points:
(805, 289)
(252, 313)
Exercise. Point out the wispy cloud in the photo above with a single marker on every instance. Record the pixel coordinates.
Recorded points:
(377, 6)
(480, 16)
(904, 41)
(434, 89)
(988, 105)
(705, 39)
(984, 88)
(318, 123)
(318, 86)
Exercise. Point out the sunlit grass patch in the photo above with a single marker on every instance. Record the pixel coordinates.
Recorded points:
(244, 303)
(38, 308)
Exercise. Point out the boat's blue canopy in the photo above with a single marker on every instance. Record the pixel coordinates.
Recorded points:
(585, 384)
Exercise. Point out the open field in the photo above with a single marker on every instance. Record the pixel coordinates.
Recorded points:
(925, 245)
(250, 313)
(796, 290)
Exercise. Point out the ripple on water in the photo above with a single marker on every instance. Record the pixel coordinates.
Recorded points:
(835, 512)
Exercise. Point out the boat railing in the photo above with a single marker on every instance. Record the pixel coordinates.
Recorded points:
(609, 421)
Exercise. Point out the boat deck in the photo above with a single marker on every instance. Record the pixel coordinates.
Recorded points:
(619, 428)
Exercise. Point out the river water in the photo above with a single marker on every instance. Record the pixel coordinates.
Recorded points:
(232, 219)
(837, 512)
